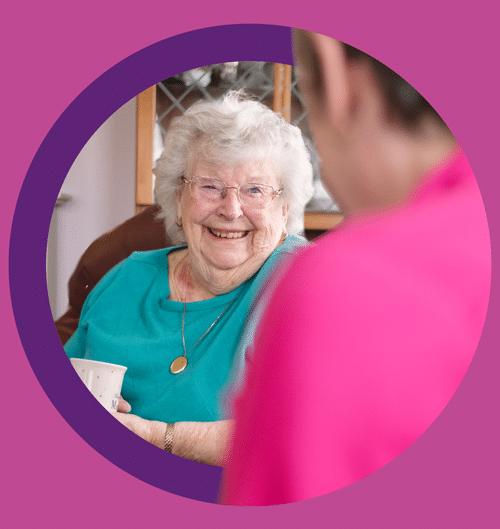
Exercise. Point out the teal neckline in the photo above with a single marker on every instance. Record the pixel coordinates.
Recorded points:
(193, 306)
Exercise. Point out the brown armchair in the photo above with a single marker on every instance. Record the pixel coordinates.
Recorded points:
(140, 233)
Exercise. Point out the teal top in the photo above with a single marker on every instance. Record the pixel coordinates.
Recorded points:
(128, 319)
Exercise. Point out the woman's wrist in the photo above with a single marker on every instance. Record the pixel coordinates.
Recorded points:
(157, 434)
(205, 442)
(169, 437)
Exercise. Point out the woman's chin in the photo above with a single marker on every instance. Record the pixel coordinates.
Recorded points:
(227, 254)
(227, 263)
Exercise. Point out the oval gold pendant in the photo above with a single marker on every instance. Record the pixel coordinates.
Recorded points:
(178, 365)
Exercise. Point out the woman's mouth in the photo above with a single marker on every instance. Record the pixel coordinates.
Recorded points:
(226, 234)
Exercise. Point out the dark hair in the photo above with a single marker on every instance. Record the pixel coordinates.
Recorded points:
(403, 101)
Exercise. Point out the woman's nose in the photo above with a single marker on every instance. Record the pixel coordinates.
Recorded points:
(230, 205)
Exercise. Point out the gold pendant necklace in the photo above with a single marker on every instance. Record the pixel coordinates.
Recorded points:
(180, 363)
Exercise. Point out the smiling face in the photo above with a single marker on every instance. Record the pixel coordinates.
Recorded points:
(228, 242)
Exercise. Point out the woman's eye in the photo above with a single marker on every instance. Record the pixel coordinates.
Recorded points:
(210, 186)
(254, 190)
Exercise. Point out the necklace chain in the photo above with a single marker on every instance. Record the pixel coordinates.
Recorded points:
(180, 363)
(218, 318)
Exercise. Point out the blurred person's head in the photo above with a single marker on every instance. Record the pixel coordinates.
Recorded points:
(375, 134)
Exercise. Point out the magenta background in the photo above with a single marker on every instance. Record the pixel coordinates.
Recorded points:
(449, 477)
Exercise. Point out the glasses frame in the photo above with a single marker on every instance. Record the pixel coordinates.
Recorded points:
(274, 194)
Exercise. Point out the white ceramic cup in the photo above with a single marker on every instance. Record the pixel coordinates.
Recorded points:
(103, 380)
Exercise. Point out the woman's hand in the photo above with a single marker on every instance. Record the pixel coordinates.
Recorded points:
(206, 442)
(151, 431)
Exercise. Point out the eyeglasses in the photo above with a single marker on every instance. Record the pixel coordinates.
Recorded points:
(250, 195)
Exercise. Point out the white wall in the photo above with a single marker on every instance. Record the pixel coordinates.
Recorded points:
(101, 187)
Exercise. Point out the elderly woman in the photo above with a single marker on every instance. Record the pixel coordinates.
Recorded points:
(232, 184)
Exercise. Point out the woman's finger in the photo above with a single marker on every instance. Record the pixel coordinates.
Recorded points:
(124, 406)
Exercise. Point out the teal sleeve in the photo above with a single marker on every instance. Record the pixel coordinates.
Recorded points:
(76, 346)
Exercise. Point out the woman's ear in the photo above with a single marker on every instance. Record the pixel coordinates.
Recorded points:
(178, 196)
(286, 209)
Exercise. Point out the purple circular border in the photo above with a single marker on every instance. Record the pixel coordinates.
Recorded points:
(30, 228)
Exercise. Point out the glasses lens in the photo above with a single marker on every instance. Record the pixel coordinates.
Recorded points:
(208, 189)
(256, 195)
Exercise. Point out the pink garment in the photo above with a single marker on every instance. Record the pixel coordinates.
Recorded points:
(363, 344)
